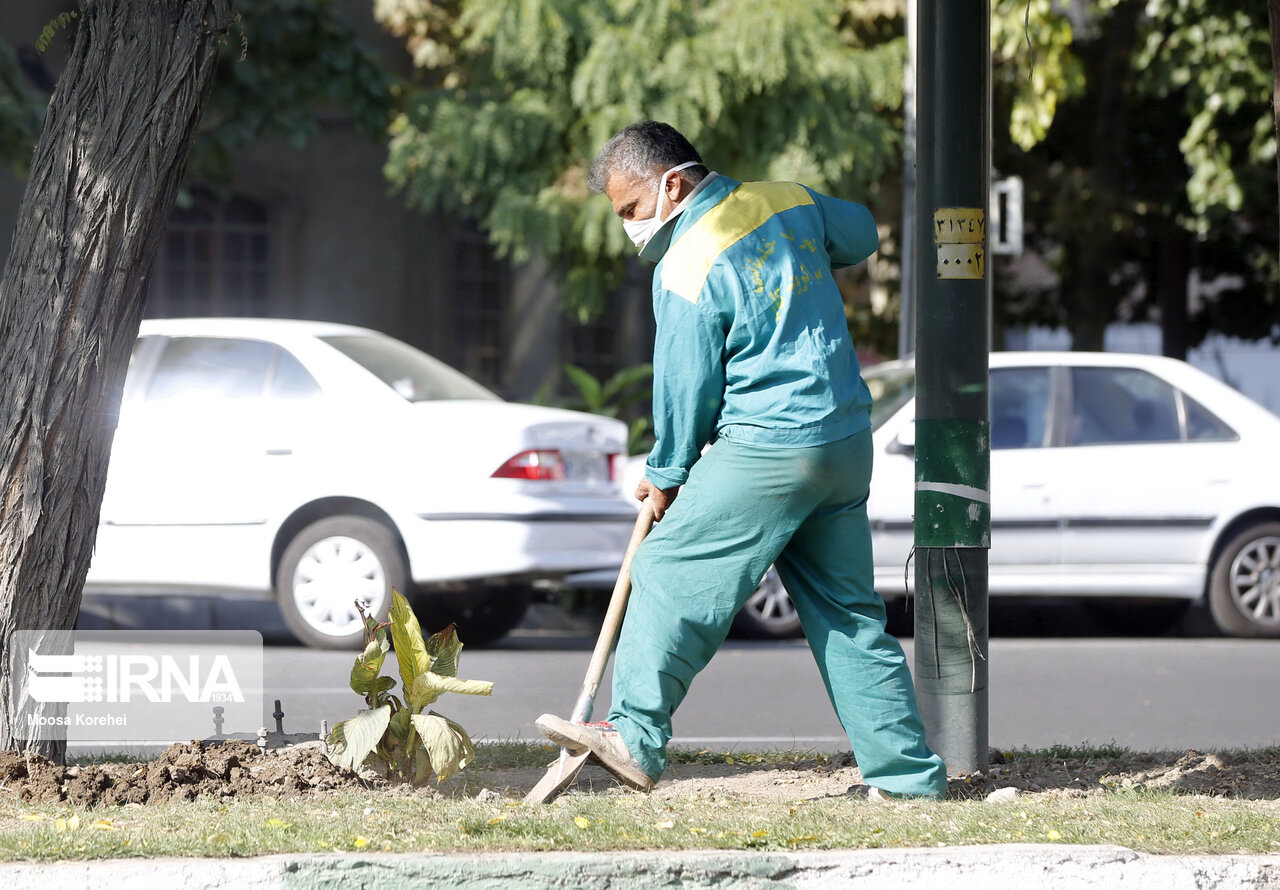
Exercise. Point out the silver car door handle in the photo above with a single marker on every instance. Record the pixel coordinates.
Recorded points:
(279, 451)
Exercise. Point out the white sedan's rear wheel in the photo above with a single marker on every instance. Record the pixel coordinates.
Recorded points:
(1244, 591)
(330, 565)
(769, 614)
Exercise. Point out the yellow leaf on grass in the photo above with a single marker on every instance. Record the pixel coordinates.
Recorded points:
(103, 825)
(32, 817)
(581, 821)
(71, 824)
(279, 823)
(501, 817)
(1053, 834)
(361, 841)
(760, 833)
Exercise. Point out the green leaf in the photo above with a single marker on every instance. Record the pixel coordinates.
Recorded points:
(399, 726)
(49, 31)
(446, 744)
(631, 376)
(430, 686)
(637, 438)
(352, 741)
(592, 392)
(406, 633)
(368, 665)
(444, 649)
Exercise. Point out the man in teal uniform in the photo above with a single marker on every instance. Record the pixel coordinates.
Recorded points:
(753, 353)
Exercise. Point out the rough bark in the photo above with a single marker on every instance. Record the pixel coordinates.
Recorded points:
(103, 180)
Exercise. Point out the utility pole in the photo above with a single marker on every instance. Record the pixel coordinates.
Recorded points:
(907, 295)
(952, 286)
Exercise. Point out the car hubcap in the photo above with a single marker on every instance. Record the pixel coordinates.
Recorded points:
(770, 604)
(331, 575)
(1255, 580)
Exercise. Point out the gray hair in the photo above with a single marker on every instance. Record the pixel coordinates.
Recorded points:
(636, 150)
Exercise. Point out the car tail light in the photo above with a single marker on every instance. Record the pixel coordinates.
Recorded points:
(616, 466)
(532, 465)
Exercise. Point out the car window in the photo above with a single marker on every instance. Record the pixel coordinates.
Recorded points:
(211, 368)
(1120, 405)
(289, 380)
(1202, 425)
(1019, 407)
(132, 378)
(890, 390)
(414, 375)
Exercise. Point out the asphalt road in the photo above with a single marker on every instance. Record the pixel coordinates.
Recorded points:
(1144, 694)
(1054, 679)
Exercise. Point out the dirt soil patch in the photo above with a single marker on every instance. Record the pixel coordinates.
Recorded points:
(237, 770)
(1252, 775)
(232, 769)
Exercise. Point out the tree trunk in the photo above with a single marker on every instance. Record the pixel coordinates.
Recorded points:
(103, 181)
(1174, 257)
(1093, 298)
(1273, 17)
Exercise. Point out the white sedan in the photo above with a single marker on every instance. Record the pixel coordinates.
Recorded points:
(1136, 482)
(325, 464)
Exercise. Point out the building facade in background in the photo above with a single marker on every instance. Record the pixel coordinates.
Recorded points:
(315, 233)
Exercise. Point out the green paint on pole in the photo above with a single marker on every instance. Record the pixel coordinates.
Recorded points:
(953, 483)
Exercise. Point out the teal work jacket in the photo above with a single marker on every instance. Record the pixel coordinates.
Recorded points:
(752, 343)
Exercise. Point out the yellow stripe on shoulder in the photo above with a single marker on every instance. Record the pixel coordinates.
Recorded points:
(689, 259)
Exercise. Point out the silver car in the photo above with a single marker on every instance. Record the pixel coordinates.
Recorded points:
(1134, 482)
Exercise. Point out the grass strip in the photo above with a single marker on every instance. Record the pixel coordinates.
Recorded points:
(1155, 820)
(1144, 820)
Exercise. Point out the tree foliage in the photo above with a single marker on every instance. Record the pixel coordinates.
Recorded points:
(296, 63)
(287, 67)
(1033, 67)
(520, 93)
(1160, 167)
(21, 112)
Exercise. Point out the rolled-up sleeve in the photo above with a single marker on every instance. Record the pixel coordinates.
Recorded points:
(688, 386)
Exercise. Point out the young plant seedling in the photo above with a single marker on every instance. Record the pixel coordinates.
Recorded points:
(397, 736)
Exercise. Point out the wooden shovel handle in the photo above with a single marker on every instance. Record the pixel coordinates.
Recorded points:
(612, 619)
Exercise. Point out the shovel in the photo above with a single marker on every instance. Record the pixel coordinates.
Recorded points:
(560, 775)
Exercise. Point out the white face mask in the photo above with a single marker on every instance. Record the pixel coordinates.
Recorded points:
(640, 231)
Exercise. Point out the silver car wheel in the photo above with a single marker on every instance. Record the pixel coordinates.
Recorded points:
(769, 613)
(771, 604)
(331, 575)
(1254, 581)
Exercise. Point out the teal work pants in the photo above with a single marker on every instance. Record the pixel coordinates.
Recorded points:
(804, 510)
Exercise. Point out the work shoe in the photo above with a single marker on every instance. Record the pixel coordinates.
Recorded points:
(879, 795)
(604, 743)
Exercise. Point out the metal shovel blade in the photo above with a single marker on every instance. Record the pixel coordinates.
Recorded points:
(560, 775)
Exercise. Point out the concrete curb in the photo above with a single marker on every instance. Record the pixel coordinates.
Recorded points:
(1014, 866)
